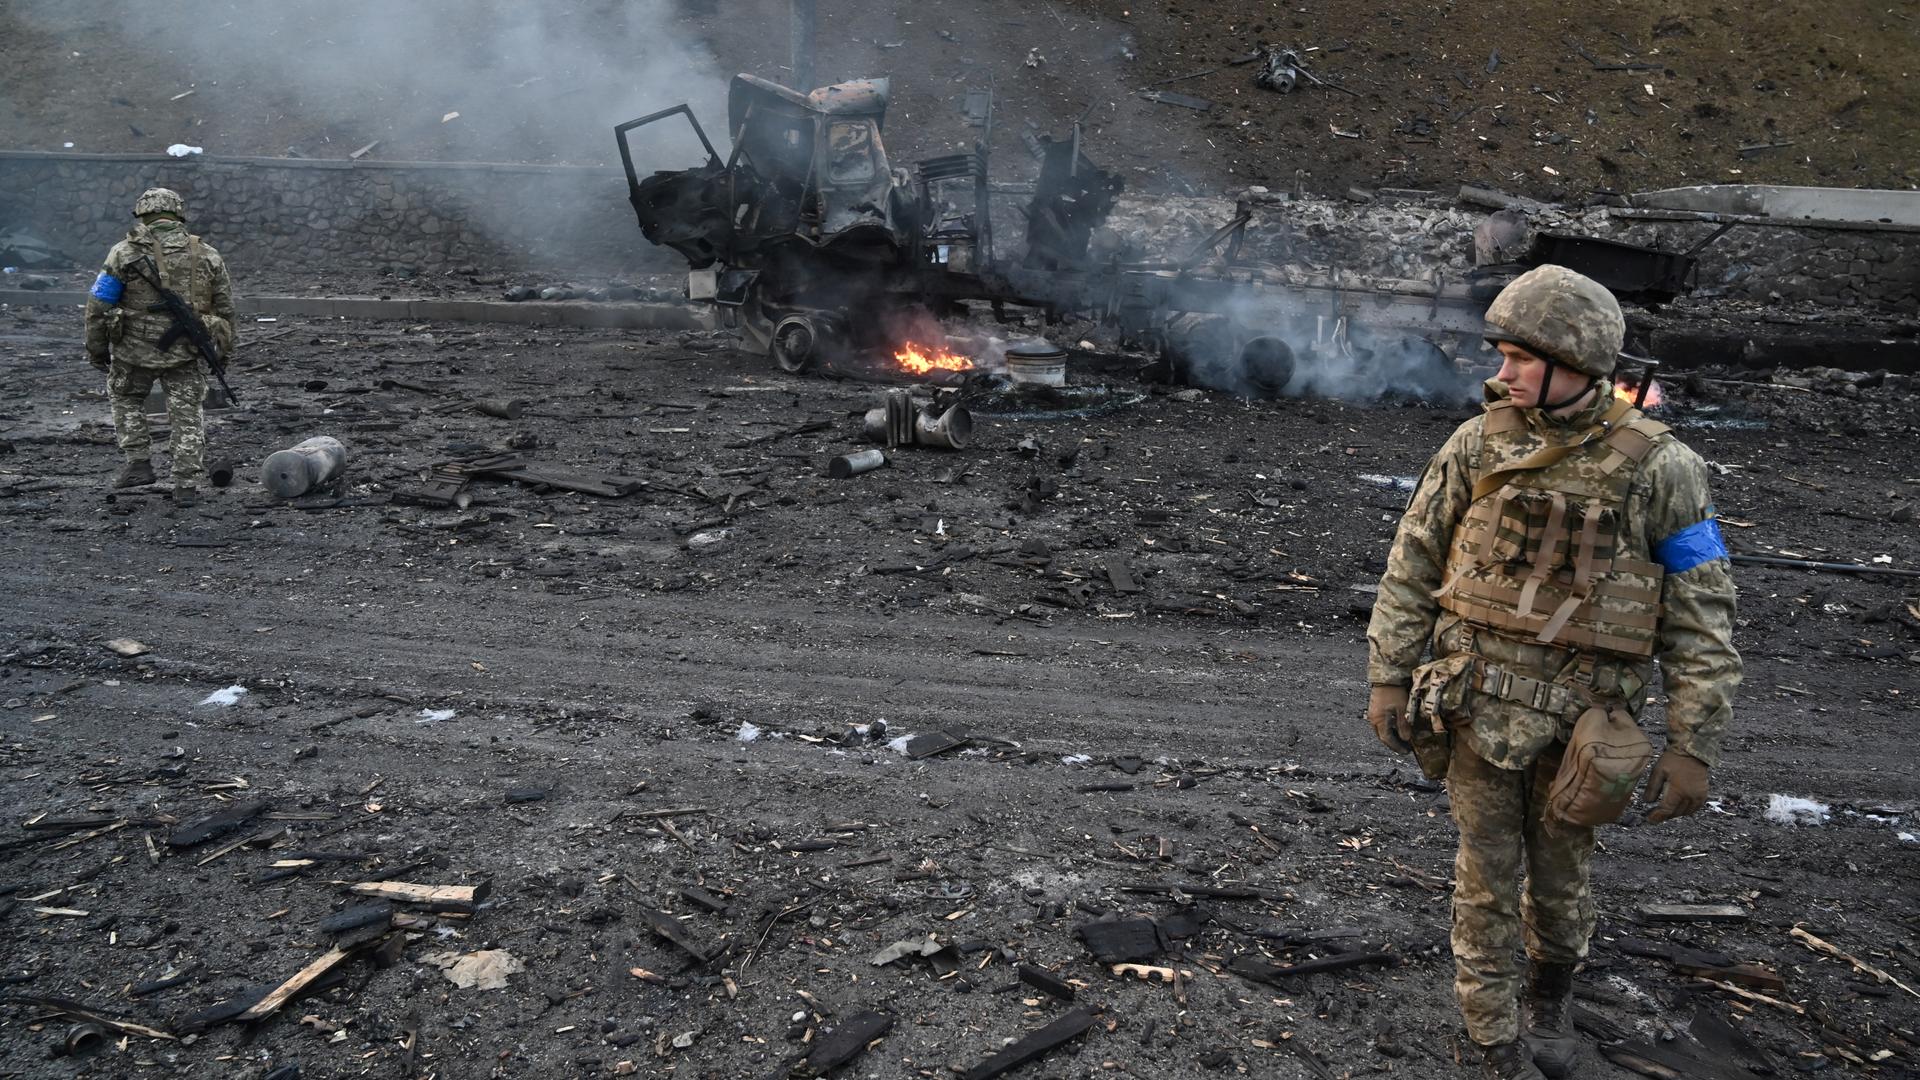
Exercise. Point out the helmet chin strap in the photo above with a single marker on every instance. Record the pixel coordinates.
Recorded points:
(1546, 383)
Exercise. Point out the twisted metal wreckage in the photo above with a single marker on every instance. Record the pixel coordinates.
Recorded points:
(822, 247)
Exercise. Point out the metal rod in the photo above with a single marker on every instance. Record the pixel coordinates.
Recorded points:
(801, 45)
(1829, 567)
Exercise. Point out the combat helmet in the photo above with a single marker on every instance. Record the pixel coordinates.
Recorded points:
(160, 200)
(1562, 317)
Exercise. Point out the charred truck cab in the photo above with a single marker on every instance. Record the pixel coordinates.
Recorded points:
(823, 248)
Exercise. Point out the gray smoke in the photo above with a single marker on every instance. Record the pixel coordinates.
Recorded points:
(530, 82)
(1272, 343)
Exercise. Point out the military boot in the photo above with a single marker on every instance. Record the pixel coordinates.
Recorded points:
(1549, 1027)
(134, 474)
(1508, 1061)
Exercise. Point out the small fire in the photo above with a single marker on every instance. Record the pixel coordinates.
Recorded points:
(921, 360)
(1629, 392)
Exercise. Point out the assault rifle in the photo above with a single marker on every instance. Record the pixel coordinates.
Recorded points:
(186, 324)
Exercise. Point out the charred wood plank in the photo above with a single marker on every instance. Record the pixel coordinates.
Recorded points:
(1034, 1045)
(1693, 913)
(379, 912)
(220, 824)
(844, 1042)
(154, 986)
(666, 926)
(1046, 981)
(301, 980)
(79, 1011)
(457, 898)
(1252, 967)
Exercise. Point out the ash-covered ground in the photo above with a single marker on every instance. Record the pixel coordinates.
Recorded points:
(684, 710)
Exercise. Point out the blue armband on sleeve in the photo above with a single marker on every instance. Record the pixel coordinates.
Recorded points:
(108, 289)
(1698, 543)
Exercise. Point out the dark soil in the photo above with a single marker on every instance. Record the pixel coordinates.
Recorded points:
(1511, 94)
(607, 659)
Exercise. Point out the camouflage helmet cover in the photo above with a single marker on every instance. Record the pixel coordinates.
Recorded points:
(1562, 316)
(160, 200)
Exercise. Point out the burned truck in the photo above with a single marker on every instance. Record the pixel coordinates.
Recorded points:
(825, 248)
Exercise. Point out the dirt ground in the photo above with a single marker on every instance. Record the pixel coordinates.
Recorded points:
(672, 702)
(1545, 98)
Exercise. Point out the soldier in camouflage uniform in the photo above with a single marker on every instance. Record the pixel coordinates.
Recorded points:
(1556, 547)
(124, 331)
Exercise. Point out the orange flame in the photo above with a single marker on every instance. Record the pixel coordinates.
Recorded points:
(920, 360)
(1628, 392)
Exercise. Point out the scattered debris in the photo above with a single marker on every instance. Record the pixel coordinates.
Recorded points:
(464, 899)
(229, 695)
(486, 969)
(1794, 810)
(1693, 913)
(1035, 1044)
(315, 463)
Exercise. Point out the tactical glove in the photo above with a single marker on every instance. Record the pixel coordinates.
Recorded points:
(1678, 783)
(1387, 712)
(100, 363)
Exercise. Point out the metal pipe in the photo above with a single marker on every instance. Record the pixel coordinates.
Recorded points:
(850, 465)
(801, 45)
(292, 473)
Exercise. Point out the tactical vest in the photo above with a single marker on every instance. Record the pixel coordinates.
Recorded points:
(1540, 552)
(181, 268)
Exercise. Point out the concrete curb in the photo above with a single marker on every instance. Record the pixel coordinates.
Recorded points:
(635, 316)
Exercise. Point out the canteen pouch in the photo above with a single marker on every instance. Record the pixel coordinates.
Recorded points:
(1437, 702)
(1602, 765)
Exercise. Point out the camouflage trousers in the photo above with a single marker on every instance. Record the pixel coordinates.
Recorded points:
(186, 390)
(1502, 833)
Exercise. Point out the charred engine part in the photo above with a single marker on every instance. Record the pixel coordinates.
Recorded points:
(1279, 69)
(800, 340)
(1268, 362)
(83, 1039)
(220, 473)
(850, 465)
(904, 422)
(1039, 362)
(1071, 199)
(314, 463)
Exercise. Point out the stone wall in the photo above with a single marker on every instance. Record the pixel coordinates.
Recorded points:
(340, 215)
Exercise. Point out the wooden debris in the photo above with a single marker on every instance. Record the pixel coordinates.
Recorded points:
(1046, 981)
(1114, 941)
(1146, 972)
(1253, 967)
(378, 913)
(205, 829)
(302, 979)
(154, 986)
(844, 1041)
(461, 898)
(78, 1011)
(1034, 1045)
(610, 487)
(668, 927)
(363, 151)
(1693, 913)
(1859, 965)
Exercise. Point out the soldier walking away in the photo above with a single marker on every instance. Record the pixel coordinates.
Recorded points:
(1556, 547)
(134, 340)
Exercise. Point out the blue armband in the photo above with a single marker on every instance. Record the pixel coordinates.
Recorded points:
(1698, 543)
(108, 289)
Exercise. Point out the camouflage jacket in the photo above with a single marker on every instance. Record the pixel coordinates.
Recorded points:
(1668, 504)
(119, 322)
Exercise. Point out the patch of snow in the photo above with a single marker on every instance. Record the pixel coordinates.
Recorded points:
(712, 536)
(179, 149)
(1077, 759)
(434, 716)
(1910, 838)
(899, 745)
(229, 696)
(748, 732)
(1794, 810)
